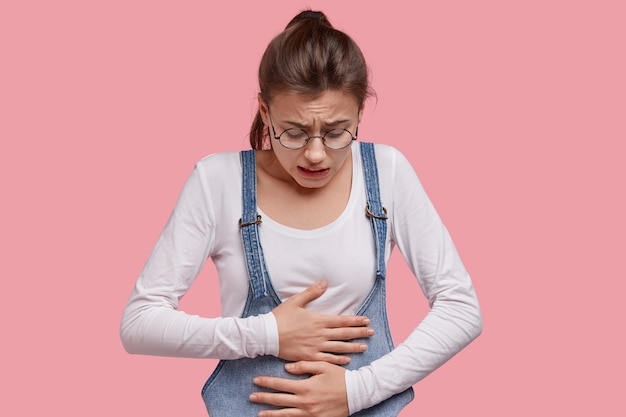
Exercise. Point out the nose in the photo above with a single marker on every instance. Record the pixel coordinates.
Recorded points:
(315, 151)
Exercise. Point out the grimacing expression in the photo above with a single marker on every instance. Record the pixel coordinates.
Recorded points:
(314, 165)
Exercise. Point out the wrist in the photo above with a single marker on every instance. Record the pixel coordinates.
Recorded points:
(271, 334)
(359, 384)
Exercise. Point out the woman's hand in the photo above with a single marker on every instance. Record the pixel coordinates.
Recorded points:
(305, 335)
(321, 395)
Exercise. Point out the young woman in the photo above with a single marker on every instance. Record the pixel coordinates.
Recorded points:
(300, 230)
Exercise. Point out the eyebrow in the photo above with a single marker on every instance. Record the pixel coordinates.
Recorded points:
(329, 124)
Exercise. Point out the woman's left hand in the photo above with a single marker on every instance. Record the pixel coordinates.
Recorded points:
(321, 395)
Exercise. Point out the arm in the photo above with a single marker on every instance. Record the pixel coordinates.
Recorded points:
(151, 322)
(153, 325)
(454, 319)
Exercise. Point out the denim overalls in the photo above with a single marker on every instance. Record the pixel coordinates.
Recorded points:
(226, 392)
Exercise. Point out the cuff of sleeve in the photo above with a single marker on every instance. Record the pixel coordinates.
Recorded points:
(271, 333)
(357, 385)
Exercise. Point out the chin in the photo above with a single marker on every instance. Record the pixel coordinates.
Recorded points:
(312, 184)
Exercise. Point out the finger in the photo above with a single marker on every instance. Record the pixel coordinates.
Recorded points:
(278, 384)
(345, 321)
(306, 367)
(274, 398)
(349, 333)
(338, 347)
(332, 358)
(311, 293)
(332, 352)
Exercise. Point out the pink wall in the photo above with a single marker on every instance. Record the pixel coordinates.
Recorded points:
(513, 114)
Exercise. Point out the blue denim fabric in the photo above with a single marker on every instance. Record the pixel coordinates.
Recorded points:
(226, 392)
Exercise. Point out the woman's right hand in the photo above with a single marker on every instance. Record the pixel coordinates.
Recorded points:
(309, 336)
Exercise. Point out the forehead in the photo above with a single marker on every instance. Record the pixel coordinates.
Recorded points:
(329, 103)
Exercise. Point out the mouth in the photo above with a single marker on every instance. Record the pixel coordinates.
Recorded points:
(313, 172)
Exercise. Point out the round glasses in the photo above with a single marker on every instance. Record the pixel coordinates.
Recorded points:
(296, 138)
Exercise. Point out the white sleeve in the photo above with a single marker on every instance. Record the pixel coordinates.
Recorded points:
(151, 323)
(454, 319)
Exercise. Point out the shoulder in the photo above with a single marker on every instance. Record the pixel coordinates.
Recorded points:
(389, 159)
(220, 162)
(385, 153)
(397, 176)
(219, 171)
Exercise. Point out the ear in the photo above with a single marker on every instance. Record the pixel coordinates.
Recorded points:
(263, 110)
(361, 111)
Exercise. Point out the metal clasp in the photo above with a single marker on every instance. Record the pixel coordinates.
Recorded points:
(370, 214)
(258, 221)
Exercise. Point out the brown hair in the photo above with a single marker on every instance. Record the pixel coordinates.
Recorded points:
(309, 57)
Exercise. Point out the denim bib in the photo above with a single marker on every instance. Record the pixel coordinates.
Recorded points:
(226, 392)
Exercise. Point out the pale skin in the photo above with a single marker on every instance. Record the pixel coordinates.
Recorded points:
(306, 189)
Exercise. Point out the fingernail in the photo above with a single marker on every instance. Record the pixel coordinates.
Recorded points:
(252, 397)
(289, 366)
(370, 332)
(363, 348)
(322, 284)
(256, 380)
(366, 321)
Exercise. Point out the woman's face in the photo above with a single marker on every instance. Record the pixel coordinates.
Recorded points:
(314, 165)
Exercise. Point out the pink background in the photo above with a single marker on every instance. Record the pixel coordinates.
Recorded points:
(513, 114)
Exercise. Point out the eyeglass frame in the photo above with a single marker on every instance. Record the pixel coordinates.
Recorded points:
(309, 137)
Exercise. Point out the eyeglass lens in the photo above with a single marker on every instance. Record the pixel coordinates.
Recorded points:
(296, 138)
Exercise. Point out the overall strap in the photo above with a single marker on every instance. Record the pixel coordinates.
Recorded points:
(374, 209)
(249, 227)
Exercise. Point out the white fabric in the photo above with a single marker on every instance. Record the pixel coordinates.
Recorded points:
(204, 224)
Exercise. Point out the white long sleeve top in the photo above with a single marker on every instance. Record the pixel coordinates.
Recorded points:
(204, 224)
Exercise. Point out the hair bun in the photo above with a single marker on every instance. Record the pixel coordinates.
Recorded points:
(310, 15)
